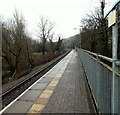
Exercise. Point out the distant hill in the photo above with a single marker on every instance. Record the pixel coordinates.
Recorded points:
(71, 42)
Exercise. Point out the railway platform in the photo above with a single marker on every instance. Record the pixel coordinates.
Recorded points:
(63, 89)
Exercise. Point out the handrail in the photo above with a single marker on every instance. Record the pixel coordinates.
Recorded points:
(103, 57)
(118, 62)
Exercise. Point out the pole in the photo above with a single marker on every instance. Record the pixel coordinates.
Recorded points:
(0, 66)
(102, 7)
(114, 99)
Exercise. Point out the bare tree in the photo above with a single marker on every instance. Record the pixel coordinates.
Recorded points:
(52, 44)
(28, 44)
(95, 34)
(45, 28)
(6, 44)
(14, 34)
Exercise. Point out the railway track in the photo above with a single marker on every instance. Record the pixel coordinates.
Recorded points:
(15, 91)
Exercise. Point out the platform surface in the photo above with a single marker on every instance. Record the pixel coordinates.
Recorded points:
(61, 90)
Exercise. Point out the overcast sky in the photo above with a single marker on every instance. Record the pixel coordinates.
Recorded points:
(66, 14)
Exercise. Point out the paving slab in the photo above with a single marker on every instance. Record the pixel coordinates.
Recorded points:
(51, 74)
(31, 95)
(45, 80)
(39, 86)
(19, 107)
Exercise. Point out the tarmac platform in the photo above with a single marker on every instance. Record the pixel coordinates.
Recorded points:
(63, 89)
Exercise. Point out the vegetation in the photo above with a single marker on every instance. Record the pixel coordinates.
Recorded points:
(95, 34)
(20, 53)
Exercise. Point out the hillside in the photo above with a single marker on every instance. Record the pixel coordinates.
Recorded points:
(72, 41)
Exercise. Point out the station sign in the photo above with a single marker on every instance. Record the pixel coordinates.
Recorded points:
(112, 18)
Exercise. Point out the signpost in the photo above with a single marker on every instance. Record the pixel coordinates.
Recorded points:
(113, 20)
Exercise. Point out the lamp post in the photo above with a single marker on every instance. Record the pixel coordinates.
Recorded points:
(79, 34)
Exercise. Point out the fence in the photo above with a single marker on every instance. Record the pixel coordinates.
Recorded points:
(99, 76)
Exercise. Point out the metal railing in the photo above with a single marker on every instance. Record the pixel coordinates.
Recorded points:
(99, 76)
(103, 57)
